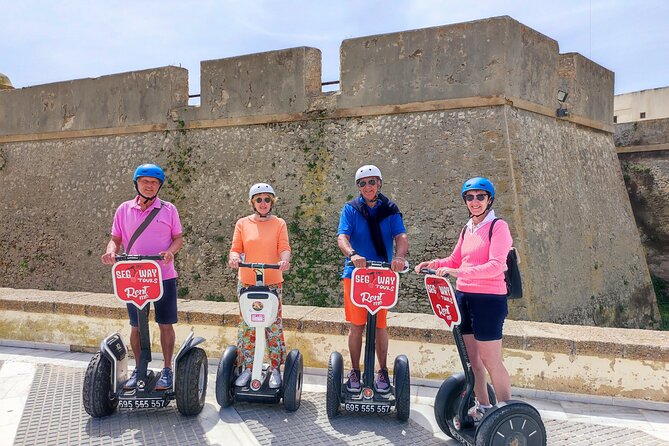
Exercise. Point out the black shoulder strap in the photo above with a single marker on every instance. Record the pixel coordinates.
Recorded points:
(143, 226)
(492, 225)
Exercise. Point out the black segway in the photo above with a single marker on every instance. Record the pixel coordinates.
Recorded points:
(137, 280)
(373, 288)
(508, 423)
(259, 306)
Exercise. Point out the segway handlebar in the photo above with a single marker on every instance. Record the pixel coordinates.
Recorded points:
(430, 271)
(378, 264)
(259, 265)
(136, 257)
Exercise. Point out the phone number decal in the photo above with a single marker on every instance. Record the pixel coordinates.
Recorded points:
(154, 403)
(367, 408)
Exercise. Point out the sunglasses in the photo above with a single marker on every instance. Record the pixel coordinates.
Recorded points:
(363, 183)
(479, 197)
(260, 200)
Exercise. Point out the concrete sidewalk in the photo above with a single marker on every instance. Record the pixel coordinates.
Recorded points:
(40, 403)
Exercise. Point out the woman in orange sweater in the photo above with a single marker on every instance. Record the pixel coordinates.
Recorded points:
(261, 238)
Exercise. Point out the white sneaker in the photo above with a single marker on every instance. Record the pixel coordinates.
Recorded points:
(275, 379)
(478, 410)
(243, 379)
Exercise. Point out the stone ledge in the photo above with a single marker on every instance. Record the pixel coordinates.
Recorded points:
(540, 356)
(572, 340)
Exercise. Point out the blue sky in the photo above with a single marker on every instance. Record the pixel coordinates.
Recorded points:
(50, 41)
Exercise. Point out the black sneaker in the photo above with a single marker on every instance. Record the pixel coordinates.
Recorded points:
(353, 383)
(382, 381)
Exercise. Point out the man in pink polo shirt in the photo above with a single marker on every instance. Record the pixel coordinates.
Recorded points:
(163, 236)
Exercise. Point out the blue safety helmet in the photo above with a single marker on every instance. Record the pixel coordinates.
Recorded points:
(149, 170)
(479, 183)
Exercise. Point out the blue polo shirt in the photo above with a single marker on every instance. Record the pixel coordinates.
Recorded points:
(353, 224)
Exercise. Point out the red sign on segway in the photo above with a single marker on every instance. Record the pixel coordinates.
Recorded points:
(374, 288)
(442, 299)
(137, 282)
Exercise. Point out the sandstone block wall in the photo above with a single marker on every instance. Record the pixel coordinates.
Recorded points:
(582, 260)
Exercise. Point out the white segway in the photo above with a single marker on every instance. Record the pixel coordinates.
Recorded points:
(259, 307)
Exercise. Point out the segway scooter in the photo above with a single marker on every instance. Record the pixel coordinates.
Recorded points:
(137, 280)
(508, 423)
(373, 288)
(259, 307)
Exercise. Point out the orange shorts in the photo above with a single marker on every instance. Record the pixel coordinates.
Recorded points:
(357, 315)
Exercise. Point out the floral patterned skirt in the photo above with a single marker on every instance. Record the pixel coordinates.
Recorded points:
(246, 338)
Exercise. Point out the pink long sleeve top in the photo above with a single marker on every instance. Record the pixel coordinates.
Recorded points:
(481, 261)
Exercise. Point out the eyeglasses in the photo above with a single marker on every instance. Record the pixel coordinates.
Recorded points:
(479, 197)
(260, 200)
(363, 183)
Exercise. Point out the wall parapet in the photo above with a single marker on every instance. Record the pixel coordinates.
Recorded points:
(492, 58)
(137, 98)
(546, 356)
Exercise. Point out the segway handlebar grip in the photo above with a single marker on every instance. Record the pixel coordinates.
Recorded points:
(377, 264)
(136, 257)
(430, 271)
(259, 265)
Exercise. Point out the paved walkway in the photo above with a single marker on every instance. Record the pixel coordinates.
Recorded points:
(40, 404)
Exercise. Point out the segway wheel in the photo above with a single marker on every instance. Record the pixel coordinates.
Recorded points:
(402, 384)
(191, 383)
(292, 381)
(97, 391)
(333, 394)
(447, 399)
(513, 422)
(226, 376)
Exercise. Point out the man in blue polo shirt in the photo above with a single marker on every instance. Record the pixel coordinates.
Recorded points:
(368, 226)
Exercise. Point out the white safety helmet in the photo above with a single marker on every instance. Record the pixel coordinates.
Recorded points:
(368, 171)
(260, 188)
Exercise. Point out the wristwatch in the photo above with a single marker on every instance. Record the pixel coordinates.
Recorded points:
(353, 253)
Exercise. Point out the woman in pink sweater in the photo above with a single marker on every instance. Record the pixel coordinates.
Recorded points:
(479, 261)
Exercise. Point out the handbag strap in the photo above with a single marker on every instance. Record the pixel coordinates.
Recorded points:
(143, 226)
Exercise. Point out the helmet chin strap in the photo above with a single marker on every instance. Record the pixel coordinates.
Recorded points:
(484, 212)
(376, 196)
(147, 199)
(263, 216)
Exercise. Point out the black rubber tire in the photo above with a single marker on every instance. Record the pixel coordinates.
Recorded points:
(292, 381)
(446, 401)
(448, 392)
(402, 384)
(226, 376)
(191, 383)
(516, 422)
(97, 396)
(333, 394)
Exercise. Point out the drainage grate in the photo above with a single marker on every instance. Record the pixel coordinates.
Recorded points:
(54, 415)
(271, 424)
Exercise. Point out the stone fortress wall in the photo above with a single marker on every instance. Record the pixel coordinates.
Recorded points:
(431, 107)
(642, 149)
